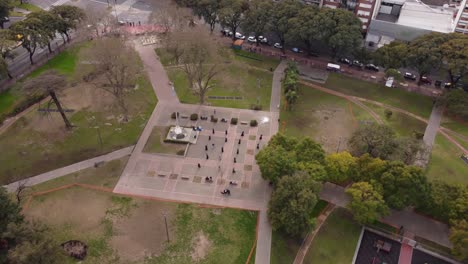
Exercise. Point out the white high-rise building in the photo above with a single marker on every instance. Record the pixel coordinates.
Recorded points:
(461, 21)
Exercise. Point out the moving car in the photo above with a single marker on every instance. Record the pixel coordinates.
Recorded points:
(409, 76)
(426, 80)
(358, 64)
(297, 50)
(333, 67)
(277, 45)
(372, 67)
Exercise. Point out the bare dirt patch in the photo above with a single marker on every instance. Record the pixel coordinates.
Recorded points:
(336, 126)
(201, 246)
(143, 233)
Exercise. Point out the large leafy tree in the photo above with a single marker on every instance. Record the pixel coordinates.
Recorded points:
(459, 239)
(291, 98)
(281, 13)
(456, 102)
(403, 185)
(368, 168)
(50, 83)
(275, 162)
(391, 55)
(231, 14)
(5, 7)
(304, 28)
(292, 203)
(10, 212)
(31, 34)
(344, 35)
(367, 204)
(424, 53)
(256, 17)
(455, 54)
(340, 166)
(377, 140)
(308, 150)
(48, 24)
(209, 10)
(69, 18)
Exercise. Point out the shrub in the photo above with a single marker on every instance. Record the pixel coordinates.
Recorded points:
(234, 121)
(418, 135)
(256, 107)
(173, 115)
(388, 113)
(214, 119)
(194, 117)
(253, 123)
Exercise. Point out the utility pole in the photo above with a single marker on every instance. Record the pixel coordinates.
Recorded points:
(167, 230)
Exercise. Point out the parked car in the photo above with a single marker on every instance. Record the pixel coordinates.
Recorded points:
(5, 19)
(358, 64)
(389, 82)
(297, 50)
(263, 39)
(239, 36)
(252, 39)
(409, 76)
(372, 67)
(277, 45)
(345, 60)
(426, 80)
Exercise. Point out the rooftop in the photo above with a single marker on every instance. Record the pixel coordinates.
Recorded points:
(422, 16)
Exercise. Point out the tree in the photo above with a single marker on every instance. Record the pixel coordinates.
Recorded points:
(345, 34)
(119, 64)
(208, 10)
(256, 18)
(374, 139)
(368, 168)
(33, 243)
(363, 55)
(307, 150)
(69, 18)
(407, 150)
(366, 203)
(455, 54)
(31, 35)
(5, 7)
(303, 27)
(291, 98)
(403, 185)
(424, 53)
(175, 44)
(172, 18)
(391, 55)
(231, 14)
(340, 166)
(459, 238)
(4, 69)
(98, 21)
(48, 24)
(281, 13)
(456, 102)
(200, 63)
(275, 162)
(292, 203)
(10, 212)
(50, 83)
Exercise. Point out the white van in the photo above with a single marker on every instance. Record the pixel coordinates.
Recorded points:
(389, 82)
(333, 67)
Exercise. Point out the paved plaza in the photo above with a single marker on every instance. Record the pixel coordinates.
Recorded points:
(227, 155)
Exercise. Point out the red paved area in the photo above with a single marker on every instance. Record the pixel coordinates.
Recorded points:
(406, 254)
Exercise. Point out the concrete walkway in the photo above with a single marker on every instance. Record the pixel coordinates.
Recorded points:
(71, 168)
(412, 222)
(433, 125)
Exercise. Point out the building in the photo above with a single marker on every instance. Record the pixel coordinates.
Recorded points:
(461, 21)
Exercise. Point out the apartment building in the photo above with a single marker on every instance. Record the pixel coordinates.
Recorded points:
(461, 20)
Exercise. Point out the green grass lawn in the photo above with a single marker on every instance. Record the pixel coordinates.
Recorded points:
(27, 6)
(256, 60)
(403, 125)
(31, 152)
(412, 102)
(7, 100)
(326, 118)
(156, 144)
(457, 126)
(64, 63)
(336, 240)
(445, 163)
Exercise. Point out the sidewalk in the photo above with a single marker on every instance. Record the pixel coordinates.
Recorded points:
(71, 168)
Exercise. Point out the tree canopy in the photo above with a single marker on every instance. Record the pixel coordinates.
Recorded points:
(456, 102)
(292, 203)
(375, 139)
(367, 204)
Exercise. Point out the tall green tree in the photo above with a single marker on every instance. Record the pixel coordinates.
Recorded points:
(368, 168)
(281, 13)
(209, 11)
(367, 204)
(291, 98)
(303, 27)
(391, 55)
(4, 69)
(340, 166)
(345, 33)
(424, 53)
(10, 212)
(292, 203)
(231, 14)
(31, 35)
(307, 150)
(275, 162)
(256, 18)
(377, 140)
(5, 8)
(455, 55)
(456, 102)
(459, 239)
(69, 18)
(48, 24)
